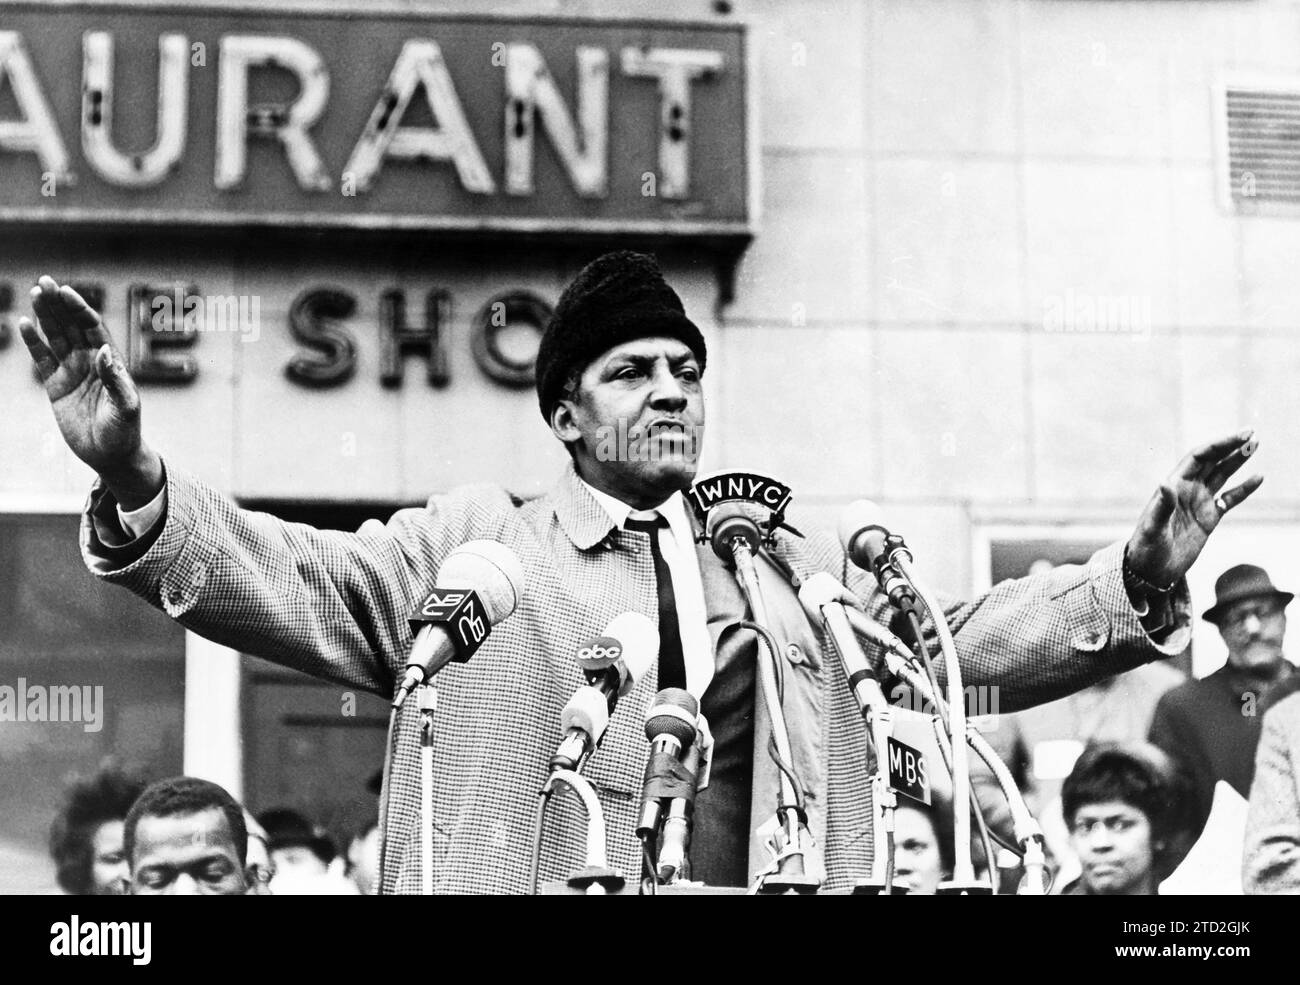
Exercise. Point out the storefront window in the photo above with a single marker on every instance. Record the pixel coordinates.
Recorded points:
(87, 672)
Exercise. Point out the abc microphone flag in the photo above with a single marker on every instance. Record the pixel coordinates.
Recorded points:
(461, 611)
(479, 584)
(612, 664)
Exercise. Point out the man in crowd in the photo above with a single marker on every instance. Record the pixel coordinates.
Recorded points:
(1212, 725)
(186, 837)
(303, 855)
(1126, 805)
(86, 837)
(1271, 860)
(298, 847)
(619, 357)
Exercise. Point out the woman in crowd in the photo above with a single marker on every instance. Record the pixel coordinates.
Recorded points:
(86, 837)
(1127, 806)
(923, 852)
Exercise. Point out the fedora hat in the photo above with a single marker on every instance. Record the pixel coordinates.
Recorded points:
(286, 828)
(1244, 581)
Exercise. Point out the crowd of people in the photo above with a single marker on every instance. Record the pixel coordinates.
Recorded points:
(186, 836)
(1128, 775)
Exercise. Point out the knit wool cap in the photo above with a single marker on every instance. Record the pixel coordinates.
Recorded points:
(616, 298)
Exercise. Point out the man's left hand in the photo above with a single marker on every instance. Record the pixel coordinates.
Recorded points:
(1187, 507)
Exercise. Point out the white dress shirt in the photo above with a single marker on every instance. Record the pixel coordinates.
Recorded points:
(678, 547)
(139, 522)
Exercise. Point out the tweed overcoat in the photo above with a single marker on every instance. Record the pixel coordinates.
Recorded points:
(335, 605)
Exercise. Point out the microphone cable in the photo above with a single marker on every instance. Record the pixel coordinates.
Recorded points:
(769, 641)
(539, 822)
(649, 875)
(386, 793)
(941, 709)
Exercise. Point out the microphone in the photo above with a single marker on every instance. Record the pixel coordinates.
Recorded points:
(822, 598)
(479, 584)
(613, 663)
(827, 589)
(677, 821)
(728, 528)
(869, 545)
(671, 725)
(895, 649)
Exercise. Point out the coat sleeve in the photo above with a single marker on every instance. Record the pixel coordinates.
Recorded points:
(1271, 859)
(1031, 640)
(1040, 638)
(329, 603)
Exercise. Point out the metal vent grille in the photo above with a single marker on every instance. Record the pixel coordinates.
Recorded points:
(1263, 148)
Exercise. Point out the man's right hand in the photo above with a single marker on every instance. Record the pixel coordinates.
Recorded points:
(95, 402)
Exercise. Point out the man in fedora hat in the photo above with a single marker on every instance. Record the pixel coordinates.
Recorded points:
(1212, 725)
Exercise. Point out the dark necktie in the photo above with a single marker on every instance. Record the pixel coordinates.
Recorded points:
(672, 665)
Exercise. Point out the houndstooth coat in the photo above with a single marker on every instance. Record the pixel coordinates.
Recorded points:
(335, 605)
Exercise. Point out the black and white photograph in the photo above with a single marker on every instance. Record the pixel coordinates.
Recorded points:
(703, 447)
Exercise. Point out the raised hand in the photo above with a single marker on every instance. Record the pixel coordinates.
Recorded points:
(94, 399)
(1187, 507)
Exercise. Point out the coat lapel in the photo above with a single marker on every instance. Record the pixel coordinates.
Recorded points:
(583, 520)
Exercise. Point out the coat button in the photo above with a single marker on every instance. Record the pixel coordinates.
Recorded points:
(175, 596)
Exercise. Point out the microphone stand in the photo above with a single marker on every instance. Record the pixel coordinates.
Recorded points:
(427, 696)
(385, 795)
(539, 822)
(786, 874)
(428, 699)
(680, 816)
(595, 878)
(1028, 832)
(678, 820)
(963, 880)
(738, 536)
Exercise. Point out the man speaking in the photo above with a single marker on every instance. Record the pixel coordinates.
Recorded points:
(620, 357)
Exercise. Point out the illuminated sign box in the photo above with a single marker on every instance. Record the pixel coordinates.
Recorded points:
(133, 116)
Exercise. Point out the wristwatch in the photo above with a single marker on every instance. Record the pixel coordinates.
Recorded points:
(1136, 585)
